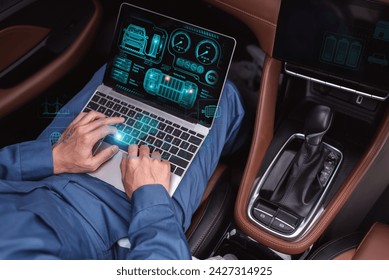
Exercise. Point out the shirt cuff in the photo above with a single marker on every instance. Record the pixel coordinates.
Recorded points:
(148, 196)
(36, 160)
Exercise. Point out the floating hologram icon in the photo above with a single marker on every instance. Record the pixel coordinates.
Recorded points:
(54, 108)
(211, 111)
(54, 137)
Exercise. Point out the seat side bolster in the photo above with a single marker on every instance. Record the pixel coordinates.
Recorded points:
(375, 245)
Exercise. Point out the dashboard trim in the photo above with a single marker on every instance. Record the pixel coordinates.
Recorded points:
(357, 92)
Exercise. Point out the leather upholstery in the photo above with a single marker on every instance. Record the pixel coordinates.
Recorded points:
(374, 246)
(347, 255)
(341, 248)
(213, 181)
(16, 41)
(260, 16)
(212, 217)
(13, 98)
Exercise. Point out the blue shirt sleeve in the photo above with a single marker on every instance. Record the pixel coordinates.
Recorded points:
(154, 231)
(26, 161)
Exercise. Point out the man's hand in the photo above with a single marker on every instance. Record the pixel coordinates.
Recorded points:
(73, 151)
(144, 169)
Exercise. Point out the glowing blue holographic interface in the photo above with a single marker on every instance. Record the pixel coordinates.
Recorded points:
(169, 64)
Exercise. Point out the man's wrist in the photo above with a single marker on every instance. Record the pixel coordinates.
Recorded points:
(57, 163)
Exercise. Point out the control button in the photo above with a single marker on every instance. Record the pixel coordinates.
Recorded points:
(329, 164)
(262, 217)
(287, 218)
(332, 156)
(366, 103)
(281, 226)
(323, 178)
(264, 207)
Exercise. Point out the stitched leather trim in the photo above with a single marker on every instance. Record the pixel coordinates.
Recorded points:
(13, 98)
(347, 255)
(199, 214)
(262, 136)
(211, 225)
(335, 248)
(196, 219)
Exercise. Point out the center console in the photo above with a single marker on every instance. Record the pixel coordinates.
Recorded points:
(288, 198)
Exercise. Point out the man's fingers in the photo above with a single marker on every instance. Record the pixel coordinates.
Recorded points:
(91, 116)
(155, 155)
(104, 155)
(166, 162)
(144, 151)
(77, 119)
(123, 167)
(100, 132)
(132, 151)
(100, 123)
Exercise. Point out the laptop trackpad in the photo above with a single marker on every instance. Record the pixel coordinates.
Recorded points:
(110, 172)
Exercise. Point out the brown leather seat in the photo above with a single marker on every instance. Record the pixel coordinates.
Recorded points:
(212, 217)
(374, 246)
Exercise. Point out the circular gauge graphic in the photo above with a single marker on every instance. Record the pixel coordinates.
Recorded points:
(212, 77)
(181, 42)
(207, 52)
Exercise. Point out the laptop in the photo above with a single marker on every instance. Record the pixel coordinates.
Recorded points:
(165, 77)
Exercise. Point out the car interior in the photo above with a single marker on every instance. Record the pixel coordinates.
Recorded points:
(309, 179)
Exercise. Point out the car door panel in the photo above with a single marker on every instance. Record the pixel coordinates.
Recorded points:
(18, 40)
(35, 52)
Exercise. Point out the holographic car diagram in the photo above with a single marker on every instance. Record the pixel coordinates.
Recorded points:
(181, 92)
(136, 41)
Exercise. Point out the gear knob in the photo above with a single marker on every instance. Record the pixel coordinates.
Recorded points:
(317, 124)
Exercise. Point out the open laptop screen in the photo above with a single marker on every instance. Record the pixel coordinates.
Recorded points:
(169, 64)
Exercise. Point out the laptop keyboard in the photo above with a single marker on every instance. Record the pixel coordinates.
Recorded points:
(174, 142)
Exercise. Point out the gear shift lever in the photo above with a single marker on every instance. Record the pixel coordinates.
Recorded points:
(300, 188)
(317, 124)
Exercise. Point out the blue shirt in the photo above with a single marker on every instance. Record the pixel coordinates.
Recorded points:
(75, 216)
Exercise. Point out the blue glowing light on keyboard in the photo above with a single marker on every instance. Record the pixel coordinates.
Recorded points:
(118, 135)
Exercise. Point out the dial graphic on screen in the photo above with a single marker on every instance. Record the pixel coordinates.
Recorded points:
(207, 52)
(181, 42)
